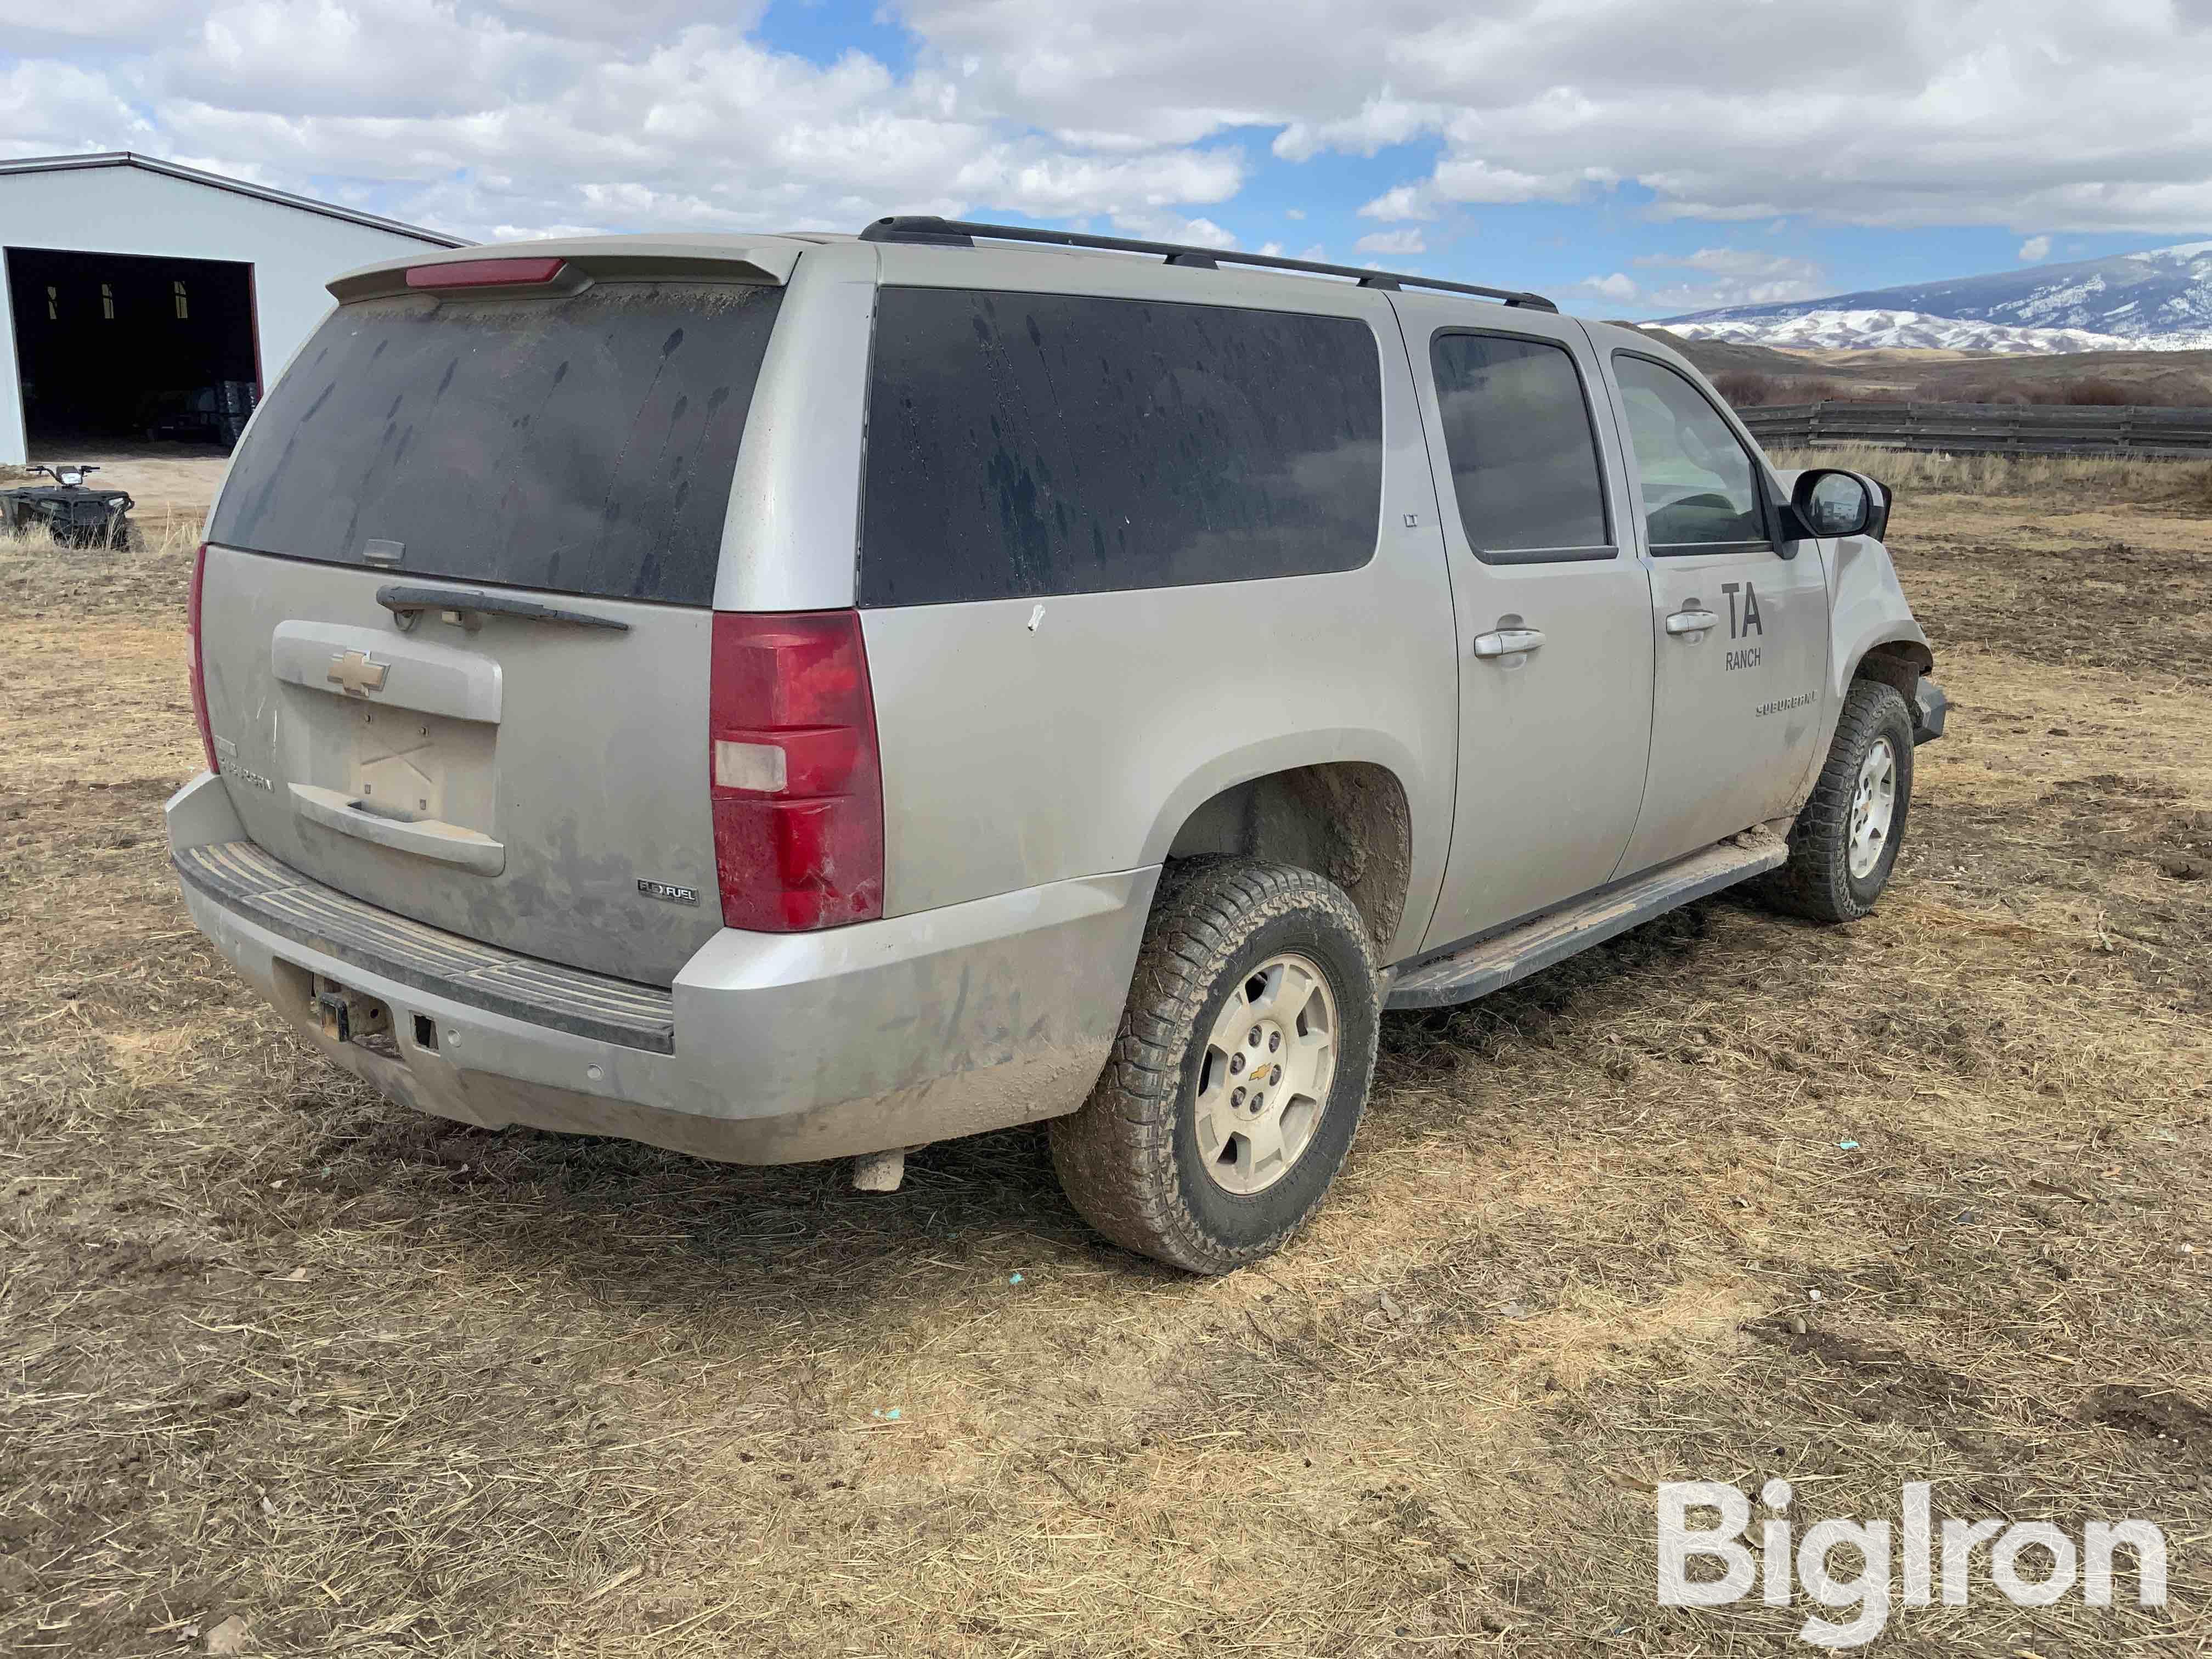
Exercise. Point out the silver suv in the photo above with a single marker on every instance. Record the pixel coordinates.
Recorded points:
(805, 697)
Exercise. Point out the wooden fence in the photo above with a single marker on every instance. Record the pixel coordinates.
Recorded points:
(1987, 429)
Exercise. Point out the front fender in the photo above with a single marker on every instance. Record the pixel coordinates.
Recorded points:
(1868, 609)
(1868, 615)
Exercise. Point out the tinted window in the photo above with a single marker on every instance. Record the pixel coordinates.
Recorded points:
(1697, 481)
(584, 444)
(1524, 455)
(1032, 444)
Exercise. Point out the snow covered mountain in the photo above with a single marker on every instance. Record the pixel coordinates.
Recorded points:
(1867, 330)
(2159, 301)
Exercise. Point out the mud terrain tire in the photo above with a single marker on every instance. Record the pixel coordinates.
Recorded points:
(1130, 1159)
(1818, 881)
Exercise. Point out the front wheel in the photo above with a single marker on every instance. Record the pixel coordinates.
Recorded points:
(1240, 1071)
(1845, 843)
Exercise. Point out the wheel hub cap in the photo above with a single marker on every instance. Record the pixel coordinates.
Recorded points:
(1264, 1081)
(1874, 806)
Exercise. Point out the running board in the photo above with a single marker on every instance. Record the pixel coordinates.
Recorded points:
(1478, 969)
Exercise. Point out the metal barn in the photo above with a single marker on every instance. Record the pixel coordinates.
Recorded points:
(145, 298)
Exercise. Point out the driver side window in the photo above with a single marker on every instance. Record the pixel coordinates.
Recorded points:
(1699, 489)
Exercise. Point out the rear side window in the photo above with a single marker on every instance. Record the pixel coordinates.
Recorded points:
(1026, 445)
(1524, 457)
(1699, 487)
(583, 444)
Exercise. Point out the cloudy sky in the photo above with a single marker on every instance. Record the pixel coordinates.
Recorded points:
(1632, 157)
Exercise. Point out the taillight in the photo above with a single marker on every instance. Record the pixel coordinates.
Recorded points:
(796, 779)
(485, 273)
(192, 658)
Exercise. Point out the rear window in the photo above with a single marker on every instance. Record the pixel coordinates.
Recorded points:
(1026, 445)
(583, 444)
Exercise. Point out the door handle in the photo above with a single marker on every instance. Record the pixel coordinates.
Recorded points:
(430, 838)
(1508, 642)
(1692, 622)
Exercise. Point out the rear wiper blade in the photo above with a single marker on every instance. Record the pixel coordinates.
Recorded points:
(408, 605)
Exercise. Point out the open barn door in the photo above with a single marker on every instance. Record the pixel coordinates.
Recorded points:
(111, 346)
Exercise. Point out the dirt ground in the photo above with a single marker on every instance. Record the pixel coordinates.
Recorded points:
(1927, 1198)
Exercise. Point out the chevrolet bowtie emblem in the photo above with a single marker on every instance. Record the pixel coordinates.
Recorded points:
(353, 670)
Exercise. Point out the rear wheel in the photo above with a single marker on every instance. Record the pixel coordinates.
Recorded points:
(1845, 843)
(1240, 1071)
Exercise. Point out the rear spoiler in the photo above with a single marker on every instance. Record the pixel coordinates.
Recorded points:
(584, 259)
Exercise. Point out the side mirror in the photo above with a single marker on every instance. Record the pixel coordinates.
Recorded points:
(1832, 503)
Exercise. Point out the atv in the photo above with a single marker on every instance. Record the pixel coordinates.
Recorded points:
(72, 514)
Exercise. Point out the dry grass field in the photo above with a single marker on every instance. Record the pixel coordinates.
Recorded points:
(1926, 1198)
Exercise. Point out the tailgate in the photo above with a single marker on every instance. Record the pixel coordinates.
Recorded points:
(514, 783)
(456, 613)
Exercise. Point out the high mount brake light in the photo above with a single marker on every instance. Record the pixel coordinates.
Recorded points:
(795, 776)
(194, 658)
(487, 273)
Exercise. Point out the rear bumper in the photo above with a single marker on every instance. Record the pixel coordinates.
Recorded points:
(768, 1048)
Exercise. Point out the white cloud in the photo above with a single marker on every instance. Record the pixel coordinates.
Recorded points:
(1734, 277)
(472, 114)
(1060, 184)
(490, 117)
(2035, 250)
(1407, 241)
(1381, 121)
(52, 107)
(1735, 262)
(1617, 286)
(1470, 178)
(1167, 228)
(1405, 202)
(112, 20)
(1921, 115)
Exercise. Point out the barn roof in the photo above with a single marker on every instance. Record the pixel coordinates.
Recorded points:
(125, 158)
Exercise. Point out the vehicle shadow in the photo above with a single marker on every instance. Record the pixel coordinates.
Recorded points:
(650, 1229)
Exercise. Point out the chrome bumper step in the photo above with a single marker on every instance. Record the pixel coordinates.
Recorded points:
(241, 878)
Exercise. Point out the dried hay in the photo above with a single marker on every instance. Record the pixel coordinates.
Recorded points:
(278, 1351)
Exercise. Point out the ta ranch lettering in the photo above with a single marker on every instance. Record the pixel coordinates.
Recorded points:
(1743, 622)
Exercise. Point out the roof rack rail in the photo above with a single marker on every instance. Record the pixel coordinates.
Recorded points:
(962, 233)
